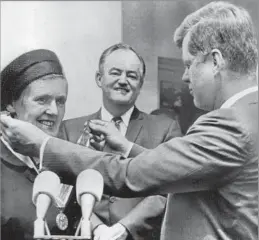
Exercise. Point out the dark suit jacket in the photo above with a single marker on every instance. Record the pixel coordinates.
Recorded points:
(211, 174)
(17, 209)
(138, 215)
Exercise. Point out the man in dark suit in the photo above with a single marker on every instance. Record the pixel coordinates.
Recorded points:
(120, 76)
(211, 172)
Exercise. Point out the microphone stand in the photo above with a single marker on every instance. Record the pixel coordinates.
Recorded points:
(61, 237)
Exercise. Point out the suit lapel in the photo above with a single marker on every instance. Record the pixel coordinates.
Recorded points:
(135, 125)
(12, 162)
(9, 157)
(97, 115)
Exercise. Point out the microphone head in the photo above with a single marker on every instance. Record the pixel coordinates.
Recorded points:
(89, 181)
(46, 182)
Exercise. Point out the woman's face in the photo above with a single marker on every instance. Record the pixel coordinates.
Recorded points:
(42, 103)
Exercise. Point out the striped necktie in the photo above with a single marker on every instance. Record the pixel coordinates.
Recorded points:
(117, 121)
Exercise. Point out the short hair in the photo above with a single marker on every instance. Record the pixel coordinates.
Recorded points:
(223, 26)
(122, 46)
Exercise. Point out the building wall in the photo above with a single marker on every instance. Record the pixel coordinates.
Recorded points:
(77, 31)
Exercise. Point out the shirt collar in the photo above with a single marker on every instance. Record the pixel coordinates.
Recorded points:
(106, 116)
(232, 100)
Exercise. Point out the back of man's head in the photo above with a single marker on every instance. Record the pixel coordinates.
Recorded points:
(222, 26)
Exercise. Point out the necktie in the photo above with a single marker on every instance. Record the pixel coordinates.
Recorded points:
(117, 121)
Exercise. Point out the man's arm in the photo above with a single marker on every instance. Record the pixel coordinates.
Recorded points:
(147, 213)
(210, 154)
(144, 216)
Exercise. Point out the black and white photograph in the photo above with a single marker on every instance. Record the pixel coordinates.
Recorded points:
(129, 120)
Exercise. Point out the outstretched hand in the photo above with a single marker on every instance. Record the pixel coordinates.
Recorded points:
(105, 133)
(115, 232)
(23, 137)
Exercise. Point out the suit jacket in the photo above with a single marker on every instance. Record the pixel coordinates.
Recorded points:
(18, 212)
(211, 174)
(138, 215)
(17, 209)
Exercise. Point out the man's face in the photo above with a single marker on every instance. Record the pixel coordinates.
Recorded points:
(42, 103)
(199, 77)
(120, 79)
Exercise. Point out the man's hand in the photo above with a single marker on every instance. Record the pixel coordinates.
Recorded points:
(23, 137)
(106, 130)
(99, 231)
(115, 232)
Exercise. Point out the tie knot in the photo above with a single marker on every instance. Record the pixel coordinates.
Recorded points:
(117, 121)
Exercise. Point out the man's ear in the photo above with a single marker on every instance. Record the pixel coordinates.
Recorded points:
(218, 61)
(10, 109)
(98, 79)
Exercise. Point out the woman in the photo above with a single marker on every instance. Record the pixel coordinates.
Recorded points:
(33, 89)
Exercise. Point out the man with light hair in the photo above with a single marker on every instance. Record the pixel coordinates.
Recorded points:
(212, 172)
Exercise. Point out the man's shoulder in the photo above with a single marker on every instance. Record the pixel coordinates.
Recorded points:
(242, 119)
(160, 125)
(156, 129)
(157, 119)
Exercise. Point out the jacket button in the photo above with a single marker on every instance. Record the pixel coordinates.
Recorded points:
(112, 199)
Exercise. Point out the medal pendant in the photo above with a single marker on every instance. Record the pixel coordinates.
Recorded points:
(62, 221)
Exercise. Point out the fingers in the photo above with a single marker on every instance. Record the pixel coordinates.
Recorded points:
(4, 134)
(97, 138)
(4, 128)
(5, 120)
(98, 126)
(97, 145)
(97, 141)
(98, 122)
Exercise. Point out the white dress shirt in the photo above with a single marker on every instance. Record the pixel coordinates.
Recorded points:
(232, 100)
(106, 116)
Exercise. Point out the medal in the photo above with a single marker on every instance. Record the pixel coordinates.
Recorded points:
(61, 202)
(62, 221)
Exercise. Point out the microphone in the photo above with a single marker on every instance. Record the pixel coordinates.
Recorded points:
(89, 189)
(45, 189)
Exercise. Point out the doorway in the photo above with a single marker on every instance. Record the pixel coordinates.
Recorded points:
(174, 95)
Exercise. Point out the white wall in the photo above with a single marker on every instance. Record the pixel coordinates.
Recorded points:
(77, 31)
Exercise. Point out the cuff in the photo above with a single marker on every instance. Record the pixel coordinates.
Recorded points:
(42, 148)
(130, 229)
(128, 150)
(95, 221)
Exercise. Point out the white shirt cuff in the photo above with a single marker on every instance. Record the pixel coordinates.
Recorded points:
(42, 148)
(127, 152)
